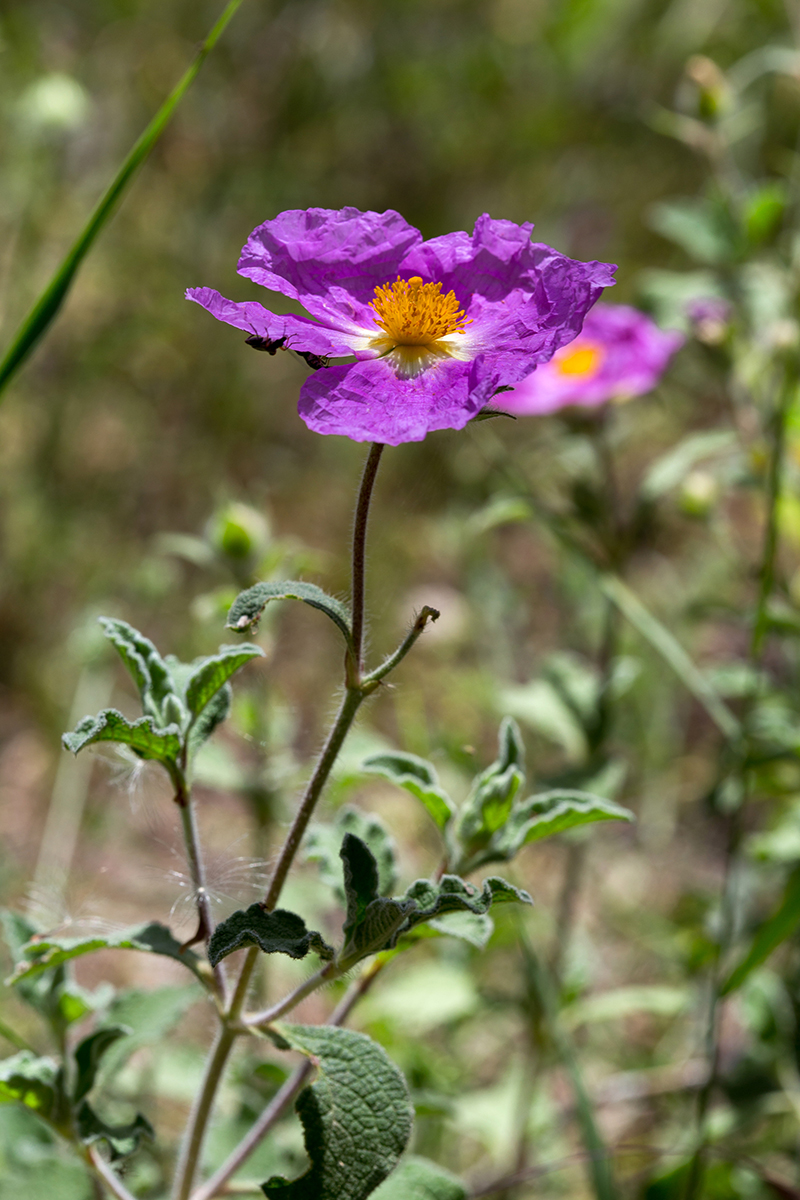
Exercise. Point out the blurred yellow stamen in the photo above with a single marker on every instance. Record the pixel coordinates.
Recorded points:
(580, 360)
(413, 313)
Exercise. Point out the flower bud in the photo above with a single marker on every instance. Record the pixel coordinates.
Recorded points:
(698, 494)
(238, 531)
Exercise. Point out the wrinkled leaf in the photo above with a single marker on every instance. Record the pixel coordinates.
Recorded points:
(371, 919)
(324, 842)
(553, 812)
(154, 938)
(122, 1140)
(249, 605)
(451, 894)
(374, 923)
(163, 745)
(277, 932)
(146, 666)
(420, 1179)
(210, 674)
(88, 1054)
(212, 715)
(417, 777)
(356, 1116)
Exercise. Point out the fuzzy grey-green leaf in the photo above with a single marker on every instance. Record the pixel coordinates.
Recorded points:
(210, 674)
(143, 737)
(249, 605)
(356, 1116)
(553, 812)
(147, 667)
(323, 845)
(155, 938)
(418, 777)
(277, 932)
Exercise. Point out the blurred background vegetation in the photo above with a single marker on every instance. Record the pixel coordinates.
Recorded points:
(150, 464)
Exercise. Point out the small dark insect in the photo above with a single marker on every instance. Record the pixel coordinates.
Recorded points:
(262, 343)
(315, 361)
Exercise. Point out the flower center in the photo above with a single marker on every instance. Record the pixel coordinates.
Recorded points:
(413, 313)
(579, 360)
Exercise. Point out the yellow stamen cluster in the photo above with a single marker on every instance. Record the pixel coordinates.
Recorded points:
(413, 313)
(578, 360)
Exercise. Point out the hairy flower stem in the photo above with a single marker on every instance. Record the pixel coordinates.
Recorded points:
(359, 551)
(356, 690)
(201, 1111)
(191, 839)
(760, 627)
(109, 1177)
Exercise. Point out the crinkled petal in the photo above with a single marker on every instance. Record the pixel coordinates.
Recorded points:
(330, 260)
(367, 402)
(300, 333)
(498, 259)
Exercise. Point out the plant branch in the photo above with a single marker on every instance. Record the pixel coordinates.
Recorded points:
(326, 974)
(205, 921)
(201, 1111)
(282, 1099)
(108, 1176)
(389, 664)
(759, 631)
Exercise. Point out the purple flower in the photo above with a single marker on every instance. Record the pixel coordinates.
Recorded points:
(619, 353)
(435, 327)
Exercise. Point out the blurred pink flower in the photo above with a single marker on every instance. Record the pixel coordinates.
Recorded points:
(618, 354)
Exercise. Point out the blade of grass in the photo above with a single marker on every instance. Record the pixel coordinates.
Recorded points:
(46, 307)
(673, 653)
(776, 929)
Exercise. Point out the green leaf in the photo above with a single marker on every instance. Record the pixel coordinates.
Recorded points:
(452, 894)
(771, 933)
(553, 812)
(163, 745)
(43, 993)
(88, 1054)
(148, 669)
(489, 803)
(371, 921)
(417, 777)
(324, 842)
(704, 230)
(277, 932)
(356, 1117)
(212, 715)
(32, 1081)
(670, 469)
(154, 938)
(44, 310)
(475, 928)
(122, 1140)
(148, 1016)
(210, 674)
(248, 606)
(420, 1179)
